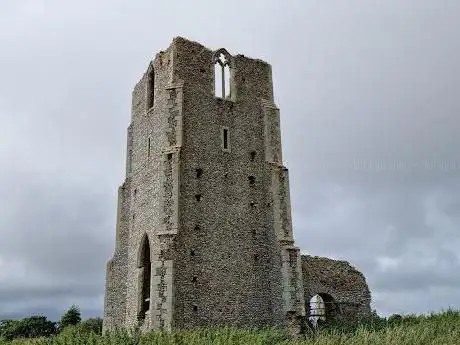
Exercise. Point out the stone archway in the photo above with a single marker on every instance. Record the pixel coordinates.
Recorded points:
(322, 308)
(326, 277)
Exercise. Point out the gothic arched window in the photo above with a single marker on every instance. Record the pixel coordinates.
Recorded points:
(221, 60)
(145, 265)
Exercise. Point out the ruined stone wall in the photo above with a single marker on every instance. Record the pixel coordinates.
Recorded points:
(117, 267)
(147, 171)
(152, 207)
(346, 285)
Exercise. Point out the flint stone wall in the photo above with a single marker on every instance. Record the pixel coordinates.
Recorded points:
(339, 279)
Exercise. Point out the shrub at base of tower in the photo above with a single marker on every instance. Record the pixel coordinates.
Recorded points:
(92, 325)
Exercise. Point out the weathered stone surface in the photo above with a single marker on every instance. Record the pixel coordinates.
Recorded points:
(206, 186)
(338, 279)
(222, 247)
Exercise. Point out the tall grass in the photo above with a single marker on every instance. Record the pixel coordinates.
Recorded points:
(441, 328)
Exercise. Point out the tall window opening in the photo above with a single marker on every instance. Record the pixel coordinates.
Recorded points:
(221, 62)
(145, 265)
(150, 87)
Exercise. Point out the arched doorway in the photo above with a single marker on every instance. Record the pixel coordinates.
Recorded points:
(322, 308)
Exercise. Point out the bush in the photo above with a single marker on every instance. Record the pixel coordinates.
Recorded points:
(71, 317)
(29, 327)
(92, 325)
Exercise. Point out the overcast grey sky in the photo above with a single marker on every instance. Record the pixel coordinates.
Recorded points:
(369, 99)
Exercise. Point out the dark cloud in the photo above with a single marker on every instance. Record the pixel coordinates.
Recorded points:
(368, 98)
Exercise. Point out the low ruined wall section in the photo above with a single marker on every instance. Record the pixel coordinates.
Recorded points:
(339, 279)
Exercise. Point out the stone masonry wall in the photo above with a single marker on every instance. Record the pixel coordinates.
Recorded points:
(234, 276)
(115, 296)
(144, 199)
(218, 221)
(224, 251)
(152, 179)
(346, 285)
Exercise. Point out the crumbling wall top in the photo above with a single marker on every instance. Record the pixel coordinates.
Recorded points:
(338, 279)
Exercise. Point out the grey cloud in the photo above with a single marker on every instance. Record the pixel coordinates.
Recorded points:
(59, 226)
(57, 237)
(413, 279)
(368, 99)
(36, 292)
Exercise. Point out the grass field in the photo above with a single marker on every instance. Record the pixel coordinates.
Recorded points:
(440, 329)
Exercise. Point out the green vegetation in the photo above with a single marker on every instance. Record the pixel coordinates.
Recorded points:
(40, 327)
(71, 317)
(441, 328)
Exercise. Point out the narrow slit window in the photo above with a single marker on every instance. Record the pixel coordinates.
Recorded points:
(226, 76)
(149, 143)
(150, 88)
(218, 85)
(225, 139)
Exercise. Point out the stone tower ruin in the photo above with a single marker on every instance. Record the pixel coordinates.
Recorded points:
(204, 235)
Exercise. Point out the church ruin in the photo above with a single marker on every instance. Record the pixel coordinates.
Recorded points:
(334, 289)
(204, 235)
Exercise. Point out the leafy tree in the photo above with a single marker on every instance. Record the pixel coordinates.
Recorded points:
(71, 317)
(5, 327)
(29, 327)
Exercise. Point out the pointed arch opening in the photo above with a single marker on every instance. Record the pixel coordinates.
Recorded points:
(221, 60)
(144, 265)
